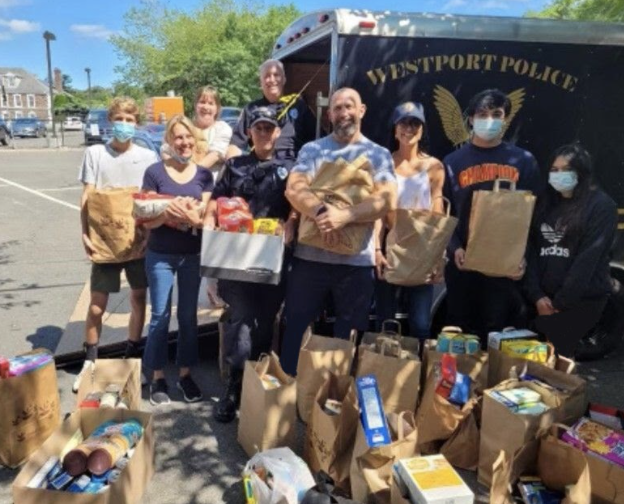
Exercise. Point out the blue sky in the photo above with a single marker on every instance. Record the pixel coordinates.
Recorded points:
(82, 28)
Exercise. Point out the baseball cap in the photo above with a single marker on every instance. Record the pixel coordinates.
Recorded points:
(408, 109)
(263, 114)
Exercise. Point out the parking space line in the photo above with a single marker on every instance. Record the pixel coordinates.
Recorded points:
(59, 189)
(40, 194)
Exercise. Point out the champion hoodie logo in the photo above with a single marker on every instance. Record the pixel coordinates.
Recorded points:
(553, 236)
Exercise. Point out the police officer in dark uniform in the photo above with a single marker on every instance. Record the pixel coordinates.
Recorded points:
(259, 178)
(296, 121)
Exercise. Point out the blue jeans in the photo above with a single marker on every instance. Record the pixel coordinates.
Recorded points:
(161, 271)
(307, 288)
(419, 301)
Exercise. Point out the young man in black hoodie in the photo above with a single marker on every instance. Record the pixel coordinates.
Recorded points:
(476, 302)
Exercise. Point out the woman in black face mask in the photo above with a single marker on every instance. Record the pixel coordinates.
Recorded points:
(567, 278)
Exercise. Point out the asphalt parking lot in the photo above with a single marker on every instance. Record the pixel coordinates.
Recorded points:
(43, 272)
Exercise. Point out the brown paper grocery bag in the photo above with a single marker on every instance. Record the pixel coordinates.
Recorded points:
(123, 372)
(330, 438)
(572, 389)
(29, 412)
(437, 419)
(371, 468)
(340, 184)
(502, 429)
(462, 448)
(498, 230)
(319, 356)
(112, 228)
(473, 365)
(395, 363)
(267, 417)
(416, 244)
(560, 467)
(502, 366)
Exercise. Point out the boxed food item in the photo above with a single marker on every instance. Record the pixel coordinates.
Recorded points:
(114, 383)
(267, 226)
(598, 439)
(533, 491)
(372, 413)
(532, 350)
(245, 257)
(458, 343)
(432, 480)
(495, 339)
(115, 477)
(521, 400)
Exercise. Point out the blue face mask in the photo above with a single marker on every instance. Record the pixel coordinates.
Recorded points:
(563, 181)
(487, 129)
(181, 159)
(123, 131)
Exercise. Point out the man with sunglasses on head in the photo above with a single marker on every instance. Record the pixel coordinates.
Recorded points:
(260, 179)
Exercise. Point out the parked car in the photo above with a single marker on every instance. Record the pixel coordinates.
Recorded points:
(98, 129)
(230, 115)
(5, 133)
(73, 123)
(151, 137)
(29, 127)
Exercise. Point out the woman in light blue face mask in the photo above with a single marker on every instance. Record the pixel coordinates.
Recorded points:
(568, 280)
(173, 255)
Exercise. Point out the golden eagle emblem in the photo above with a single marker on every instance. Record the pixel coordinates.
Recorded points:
(452, 118)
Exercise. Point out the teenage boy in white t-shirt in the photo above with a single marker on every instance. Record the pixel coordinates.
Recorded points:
(119, 163)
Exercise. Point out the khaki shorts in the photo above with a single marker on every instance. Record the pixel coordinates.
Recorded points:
(107, 277)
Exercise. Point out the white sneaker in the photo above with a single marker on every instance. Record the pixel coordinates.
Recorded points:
(87, 367)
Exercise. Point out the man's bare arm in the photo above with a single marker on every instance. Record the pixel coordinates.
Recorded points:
(232, 151)
(301, 197)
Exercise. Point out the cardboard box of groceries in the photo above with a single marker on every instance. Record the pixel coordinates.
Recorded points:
(122, 374)
(132, 479)
(244, 257)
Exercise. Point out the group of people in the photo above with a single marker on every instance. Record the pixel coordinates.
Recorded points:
(270, 160)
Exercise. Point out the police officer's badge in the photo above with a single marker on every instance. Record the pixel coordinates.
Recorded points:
(293, 113)
(282, 172)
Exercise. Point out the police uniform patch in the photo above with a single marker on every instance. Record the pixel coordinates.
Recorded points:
(293, 113)
(282, 172)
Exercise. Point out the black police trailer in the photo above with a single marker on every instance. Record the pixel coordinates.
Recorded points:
(565, 80)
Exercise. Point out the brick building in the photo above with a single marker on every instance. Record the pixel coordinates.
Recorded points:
(22, 95)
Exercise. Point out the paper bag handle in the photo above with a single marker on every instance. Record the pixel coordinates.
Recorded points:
(512, 184)
(387, 322)
(385, 345)
(262, 365)
(452, 329)
(446, 200)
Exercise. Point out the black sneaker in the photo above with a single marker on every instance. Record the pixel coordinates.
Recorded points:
(189, 389)
(225, 410)
(159, 392)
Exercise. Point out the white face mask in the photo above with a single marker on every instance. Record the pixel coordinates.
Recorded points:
(488, 128)
(563, 181)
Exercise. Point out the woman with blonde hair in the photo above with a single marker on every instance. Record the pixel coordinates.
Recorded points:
(173, 251)
(215, 134)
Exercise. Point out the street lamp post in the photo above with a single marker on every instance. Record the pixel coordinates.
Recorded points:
(48, 36)
(88, 70)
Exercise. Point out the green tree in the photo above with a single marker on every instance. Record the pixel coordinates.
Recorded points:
(221, 43)
(67, 83)
(583, 10)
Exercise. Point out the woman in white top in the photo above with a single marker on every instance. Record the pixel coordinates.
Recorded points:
(216, 133)
(210, 153)
(420, 178)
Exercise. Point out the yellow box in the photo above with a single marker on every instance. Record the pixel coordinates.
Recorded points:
(532, 350)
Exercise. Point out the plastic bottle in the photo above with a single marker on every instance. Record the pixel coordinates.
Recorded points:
(103, 448)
